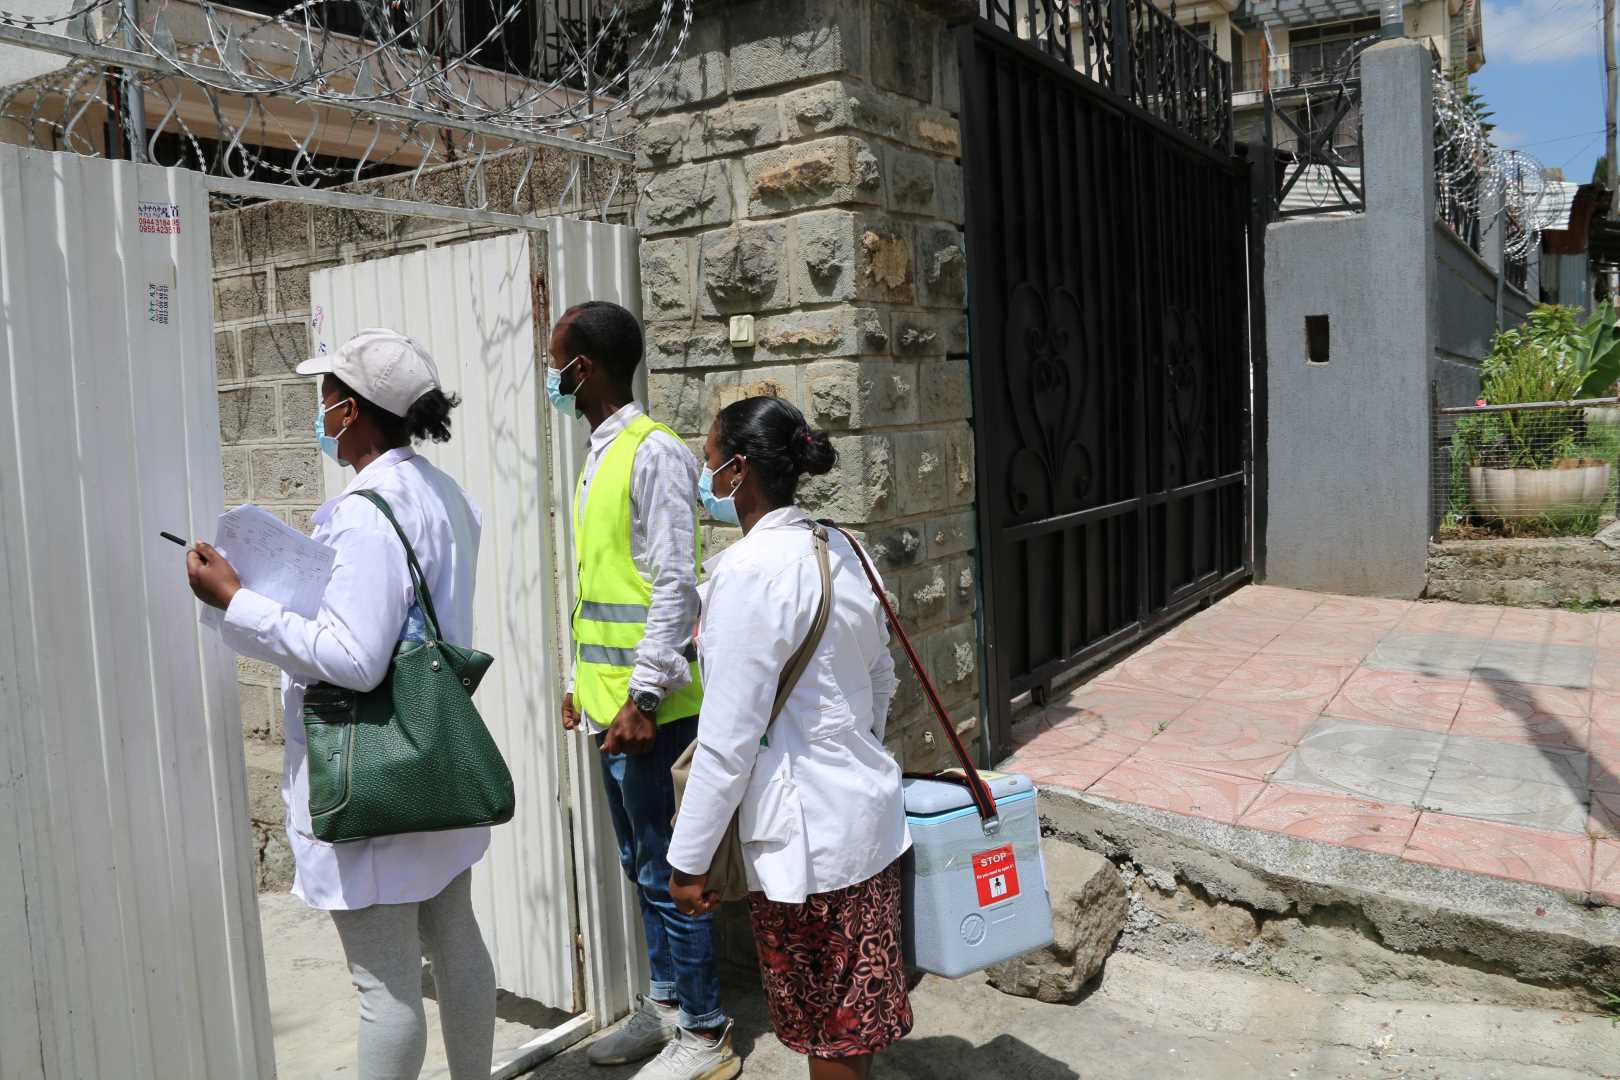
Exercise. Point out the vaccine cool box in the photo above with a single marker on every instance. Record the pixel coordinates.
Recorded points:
(973, 896)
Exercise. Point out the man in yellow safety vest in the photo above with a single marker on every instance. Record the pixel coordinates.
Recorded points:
(635, 686)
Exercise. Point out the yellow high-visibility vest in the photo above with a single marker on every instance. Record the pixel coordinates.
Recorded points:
(610, 616)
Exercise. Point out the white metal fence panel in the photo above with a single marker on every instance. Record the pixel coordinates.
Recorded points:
(472, 306)
(128, 924)
(587, 260)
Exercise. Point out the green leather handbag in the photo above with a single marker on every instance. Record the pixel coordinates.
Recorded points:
(412, 755)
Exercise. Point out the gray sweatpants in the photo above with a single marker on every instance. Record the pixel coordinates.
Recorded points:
(384, 945)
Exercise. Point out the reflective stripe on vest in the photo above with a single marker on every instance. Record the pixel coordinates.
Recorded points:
(610, 617)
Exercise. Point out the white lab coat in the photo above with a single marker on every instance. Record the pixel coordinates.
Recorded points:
(349, 644)
(820, 808)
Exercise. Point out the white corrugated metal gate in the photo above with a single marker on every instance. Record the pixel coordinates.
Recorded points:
(591, 261)
(474, 305)
(129, 935)
(129, 932)
(471, 305)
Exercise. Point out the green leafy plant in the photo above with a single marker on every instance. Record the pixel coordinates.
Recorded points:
(1598, 352)
(1553, 356)
(1610, 1003)
(1473, 101)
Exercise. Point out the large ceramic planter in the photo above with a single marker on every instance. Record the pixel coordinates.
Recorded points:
(1602, 415)
(1570, 488)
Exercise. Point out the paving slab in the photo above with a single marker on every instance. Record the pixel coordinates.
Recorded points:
(1537, 663)
(1468, 758)
(1428, 653)
(1484, 717)
(1368, 761)
(1516, 802)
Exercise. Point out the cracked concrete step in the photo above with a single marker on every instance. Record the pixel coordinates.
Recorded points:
(1148, 1020)
(1339, 919)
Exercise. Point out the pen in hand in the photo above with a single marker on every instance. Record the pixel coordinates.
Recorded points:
(173, 539)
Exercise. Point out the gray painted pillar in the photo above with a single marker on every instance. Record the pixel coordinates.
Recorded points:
(1397, 104)
(1349, 438)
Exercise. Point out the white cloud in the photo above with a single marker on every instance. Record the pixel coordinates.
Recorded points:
(1541, 31)
(1509, 138)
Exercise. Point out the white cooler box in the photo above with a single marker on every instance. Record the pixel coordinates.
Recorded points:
(973, 899)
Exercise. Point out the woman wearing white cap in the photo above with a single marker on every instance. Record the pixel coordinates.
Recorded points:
(397, 898)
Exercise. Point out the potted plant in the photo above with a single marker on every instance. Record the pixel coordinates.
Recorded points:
(1545, 463)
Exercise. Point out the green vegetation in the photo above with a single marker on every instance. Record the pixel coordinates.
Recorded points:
(1553, 357)
(1610, 1004)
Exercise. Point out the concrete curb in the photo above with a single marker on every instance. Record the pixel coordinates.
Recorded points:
(1526, 932)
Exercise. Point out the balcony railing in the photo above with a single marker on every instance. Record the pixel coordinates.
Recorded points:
(1281, 73)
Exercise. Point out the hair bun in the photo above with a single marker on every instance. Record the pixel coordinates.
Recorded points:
(812, 451)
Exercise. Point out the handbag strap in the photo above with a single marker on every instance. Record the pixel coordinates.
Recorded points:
(983, 800)
(418, 579)
(818, 627)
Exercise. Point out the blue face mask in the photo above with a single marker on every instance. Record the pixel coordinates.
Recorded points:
(563, 403)
(329, 443)
(722, 510)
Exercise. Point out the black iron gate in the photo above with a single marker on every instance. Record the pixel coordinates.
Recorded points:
(1108, 306)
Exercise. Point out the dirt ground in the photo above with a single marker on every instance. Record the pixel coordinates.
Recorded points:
(1144, 1020)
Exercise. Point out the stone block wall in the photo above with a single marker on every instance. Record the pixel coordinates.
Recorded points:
(263, 256)
(803, 168)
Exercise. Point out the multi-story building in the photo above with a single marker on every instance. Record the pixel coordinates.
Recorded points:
(1280, 44)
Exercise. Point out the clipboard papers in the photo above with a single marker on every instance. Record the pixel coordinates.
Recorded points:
(274, 560)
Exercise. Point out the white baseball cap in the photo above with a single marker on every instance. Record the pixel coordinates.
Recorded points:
(387, 368)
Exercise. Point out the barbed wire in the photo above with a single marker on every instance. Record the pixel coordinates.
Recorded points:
(417, 54)
(1479, 186)
(1477, 180)
(63, 110)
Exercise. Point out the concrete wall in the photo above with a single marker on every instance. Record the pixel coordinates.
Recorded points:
(1464, 294)
(1348, 440)
(263, 255)
(805, 171)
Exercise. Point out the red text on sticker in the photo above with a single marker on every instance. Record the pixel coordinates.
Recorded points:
(996, 875)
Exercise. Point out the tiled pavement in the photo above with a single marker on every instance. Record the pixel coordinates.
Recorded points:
(1477, 738)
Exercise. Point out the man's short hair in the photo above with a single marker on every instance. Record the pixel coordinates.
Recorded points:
(608, 334)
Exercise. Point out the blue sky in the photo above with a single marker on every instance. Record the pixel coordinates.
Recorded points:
(1543, 78)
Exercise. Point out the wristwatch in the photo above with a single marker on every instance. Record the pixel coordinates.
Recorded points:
(646, 700)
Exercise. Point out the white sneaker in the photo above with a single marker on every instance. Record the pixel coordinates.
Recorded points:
(692, 1057)
(649, 1029)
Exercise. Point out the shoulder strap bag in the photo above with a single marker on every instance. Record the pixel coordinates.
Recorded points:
(412, 755)
(727, 873)
(967, 775)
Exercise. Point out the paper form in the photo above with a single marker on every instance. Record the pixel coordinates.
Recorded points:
(274, 560)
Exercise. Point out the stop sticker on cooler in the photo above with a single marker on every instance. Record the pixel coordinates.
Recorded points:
(996, 875)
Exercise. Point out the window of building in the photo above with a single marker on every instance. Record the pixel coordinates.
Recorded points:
(1321, 52)
(1205, 33)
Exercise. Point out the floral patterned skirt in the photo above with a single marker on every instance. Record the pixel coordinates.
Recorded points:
(834, 975)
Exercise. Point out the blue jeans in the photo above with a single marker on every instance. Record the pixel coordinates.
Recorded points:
(680, 948)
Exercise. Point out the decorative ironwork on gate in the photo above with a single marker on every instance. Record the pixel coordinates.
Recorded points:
(1135, 49)
(1109, 303)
